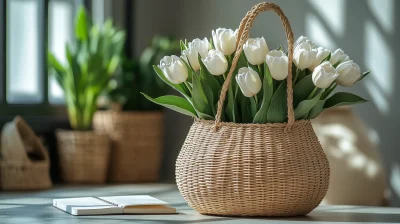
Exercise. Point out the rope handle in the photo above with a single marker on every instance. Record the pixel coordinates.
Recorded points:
(243, 35)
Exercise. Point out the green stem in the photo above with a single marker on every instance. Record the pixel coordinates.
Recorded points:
(329, 90)
(188, 86)
(256, 99)
(312, 93)
(296, 76)
(259, 69)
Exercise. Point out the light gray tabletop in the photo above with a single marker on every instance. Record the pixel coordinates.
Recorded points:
(36, 207)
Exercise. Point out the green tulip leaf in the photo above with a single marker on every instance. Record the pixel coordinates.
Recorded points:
(231, 107)
(268, 91)
(277, 112)
(175, 103)
(342, 99)
(302, 90)
(305, 106)
(244, 106)
(365, 74)
(317, 109)
(200, 100)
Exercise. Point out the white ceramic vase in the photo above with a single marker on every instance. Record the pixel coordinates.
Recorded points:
(357, 176)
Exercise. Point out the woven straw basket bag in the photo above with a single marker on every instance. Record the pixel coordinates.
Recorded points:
(273, 169)
(25, 164)
(136, 144)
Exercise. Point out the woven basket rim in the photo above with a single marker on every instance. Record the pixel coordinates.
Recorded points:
(80, 132)
(266, 125)
(155, 112)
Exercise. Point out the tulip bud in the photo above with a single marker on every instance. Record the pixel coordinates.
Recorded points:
(195, 48)
(324, 74)
(225, 40)
(304, 55)
(349, 73)
(338, 56)
(174, 69)
(277, 63)
(322, 53)
(249, 81)
(215, 62)
(255, 50)
(303, 39)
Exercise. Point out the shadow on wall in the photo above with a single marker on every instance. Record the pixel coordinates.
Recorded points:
(367, 30)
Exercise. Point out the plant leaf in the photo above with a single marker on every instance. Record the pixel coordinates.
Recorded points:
(200, 101)
(231, 107)
(175, 103)
(277, 111)
(305, 106)
(268, 90)
(302, 90)
(317, 109)
(342, 99)
(81, 24)
(364, 75)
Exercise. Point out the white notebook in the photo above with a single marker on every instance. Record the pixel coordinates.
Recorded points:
(133, 204)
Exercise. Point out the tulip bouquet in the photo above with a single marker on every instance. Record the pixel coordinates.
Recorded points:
(257, 91)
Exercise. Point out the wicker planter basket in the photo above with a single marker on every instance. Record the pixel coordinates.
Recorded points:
(83, 156)
(24, 164)
(137, 143)
(273, 169)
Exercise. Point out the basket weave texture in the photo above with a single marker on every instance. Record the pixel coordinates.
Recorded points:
(83, 156)
(273, 169)
(24, 164)
(252, 170)
(136, 144)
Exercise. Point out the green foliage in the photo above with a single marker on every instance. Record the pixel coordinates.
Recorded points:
(136, 76)
(92, 58)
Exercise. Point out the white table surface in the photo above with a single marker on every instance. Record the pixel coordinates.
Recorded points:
(36, 207)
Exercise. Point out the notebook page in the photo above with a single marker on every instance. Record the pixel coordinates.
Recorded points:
(86, 206)
(134, 200)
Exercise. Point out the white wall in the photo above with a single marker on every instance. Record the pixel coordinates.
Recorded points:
(367, 30)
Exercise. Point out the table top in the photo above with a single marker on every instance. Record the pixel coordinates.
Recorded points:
(36, 207)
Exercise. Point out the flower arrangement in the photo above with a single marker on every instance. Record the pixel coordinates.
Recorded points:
(257, 91)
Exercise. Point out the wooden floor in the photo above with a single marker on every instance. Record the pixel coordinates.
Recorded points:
(36, 207)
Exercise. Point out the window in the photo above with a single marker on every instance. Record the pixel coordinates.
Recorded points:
(27, 29)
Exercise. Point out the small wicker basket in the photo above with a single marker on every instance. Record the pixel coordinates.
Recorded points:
(83, 156)
(273, 169)
(136, 143)
(24, 164)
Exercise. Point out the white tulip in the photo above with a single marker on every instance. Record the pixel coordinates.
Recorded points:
(249, 81)
(303, 39)
(215, 62)
(195, 48)
(349, 73)
(255, 50)
(322, 53)
(324, 74)
(174, 69)
(304, 55)
(277, 63)
(225, 40)
(338, 56)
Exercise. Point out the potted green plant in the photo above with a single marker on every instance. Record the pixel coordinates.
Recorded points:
(92, 59)
(134, 124)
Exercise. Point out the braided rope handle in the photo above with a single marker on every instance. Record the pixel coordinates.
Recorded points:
(243, 35)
